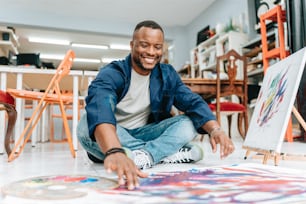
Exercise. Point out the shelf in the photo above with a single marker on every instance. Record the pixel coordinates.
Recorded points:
(257, 61)
(8, 45)
(255, 72)
(256, 42)
(207, 43)
(207, 51)
(205, 54)
(209, 67)
(253, 52)
(13, 37)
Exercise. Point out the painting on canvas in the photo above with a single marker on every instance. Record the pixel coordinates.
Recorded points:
(274, 103)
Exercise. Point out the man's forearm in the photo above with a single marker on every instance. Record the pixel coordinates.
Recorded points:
(106, 137)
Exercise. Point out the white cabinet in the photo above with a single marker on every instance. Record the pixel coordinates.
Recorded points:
(8, 42)
(231, 40)
(207, 54)
(204, 55)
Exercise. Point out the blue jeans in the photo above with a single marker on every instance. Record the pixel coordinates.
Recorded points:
(160, 140)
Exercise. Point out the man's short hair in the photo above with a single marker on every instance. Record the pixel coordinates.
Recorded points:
(148, 24)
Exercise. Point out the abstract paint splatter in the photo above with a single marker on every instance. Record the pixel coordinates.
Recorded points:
(274, 97)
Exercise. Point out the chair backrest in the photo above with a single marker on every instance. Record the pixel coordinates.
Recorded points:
(233, 64)
(62, 70)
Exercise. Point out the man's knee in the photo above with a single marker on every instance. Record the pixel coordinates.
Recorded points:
(186, 127)
(186, 122)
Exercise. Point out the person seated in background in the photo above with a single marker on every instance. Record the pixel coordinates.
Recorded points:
(128, 123)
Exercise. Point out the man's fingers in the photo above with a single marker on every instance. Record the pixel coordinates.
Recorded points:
(142, 174)
(213, 144)
(131, 178)
(120, 174)
(228, 148)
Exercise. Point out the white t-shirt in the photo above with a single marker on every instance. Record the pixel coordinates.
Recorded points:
(134, 109)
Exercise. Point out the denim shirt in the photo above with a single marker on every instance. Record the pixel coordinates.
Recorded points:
(166, 90)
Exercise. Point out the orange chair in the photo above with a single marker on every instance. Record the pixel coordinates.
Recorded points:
(54, 115)
(7, 103)
(233, 86)
(52, 95)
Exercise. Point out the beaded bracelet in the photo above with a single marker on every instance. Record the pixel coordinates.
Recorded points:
(215, 129)
(113, 151)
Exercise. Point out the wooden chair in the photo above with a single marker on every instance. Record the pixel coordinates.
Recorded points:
(52, 95)
(231, 87)
(7, 103)
(55, 115)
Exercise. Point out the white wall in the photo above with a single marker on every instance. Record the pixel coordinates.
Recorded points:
(183, 38)
(219, 12)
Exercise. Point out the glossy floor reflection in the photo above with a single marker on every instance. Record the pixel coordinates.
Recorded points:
(55, 159)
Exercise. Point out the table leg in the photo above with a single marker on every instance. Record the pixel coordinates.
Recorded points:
(75, 111)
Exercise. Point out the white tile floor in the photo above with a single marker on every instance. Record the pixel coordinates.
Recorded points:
(52, 159)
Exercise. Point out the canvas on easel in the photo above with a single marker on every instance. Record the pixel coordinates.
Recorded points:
(274, 104)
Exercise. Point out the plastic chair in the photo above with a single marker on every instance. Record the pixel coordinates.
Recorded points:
(229, 88)
(52, 95)
(7, 103)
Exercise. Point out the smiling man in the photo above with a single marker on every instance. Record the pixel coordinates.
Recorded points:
(128, 123)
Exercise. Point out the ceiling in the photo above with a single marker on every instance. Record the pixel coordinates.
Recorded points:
(83, 22)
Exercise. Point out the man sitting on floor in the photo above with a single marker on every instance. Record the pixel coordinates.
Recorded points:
(128, 124)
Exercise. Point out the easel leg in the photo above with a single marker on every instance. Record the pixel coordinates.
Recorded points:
(266, 157)
(276, 159)
(299, 118)
(248, 152)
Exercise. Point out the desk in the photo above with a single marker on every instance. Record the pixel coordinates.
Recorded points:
(20, 77)
(207, 88)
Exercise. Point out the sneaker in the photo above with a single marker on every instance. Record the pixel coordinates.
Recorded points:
(94, 159)
(187, 154)
(142, 159)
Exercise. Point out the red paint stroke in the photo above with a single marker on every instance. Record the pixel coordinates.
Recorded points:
(74, 179)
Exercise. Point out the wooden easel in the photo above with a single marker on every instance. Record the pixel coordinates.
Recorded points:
(279, 16)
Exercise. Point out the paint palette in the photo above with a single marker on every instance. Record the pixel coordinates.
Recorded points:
(58, 187)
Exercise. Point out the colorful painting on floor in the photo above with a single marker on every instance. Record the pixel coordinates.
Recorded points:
(229, 184)
(274, 103)
(244, 183)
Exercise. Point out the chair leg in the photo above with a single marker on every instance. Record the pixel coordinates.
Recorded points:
(26, 133)
(52, 125)
(12, 116)
(63, 139)
(54, 115)
(229, 122)
(242, 118)
(66, 127)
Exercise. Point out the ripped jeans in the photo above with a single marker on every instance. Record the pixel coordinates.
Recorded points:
(159, 139)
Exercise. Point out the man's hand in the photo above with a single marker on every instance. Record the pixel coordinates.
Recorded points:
(226, 144)
(125, 168)
(118, 162)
